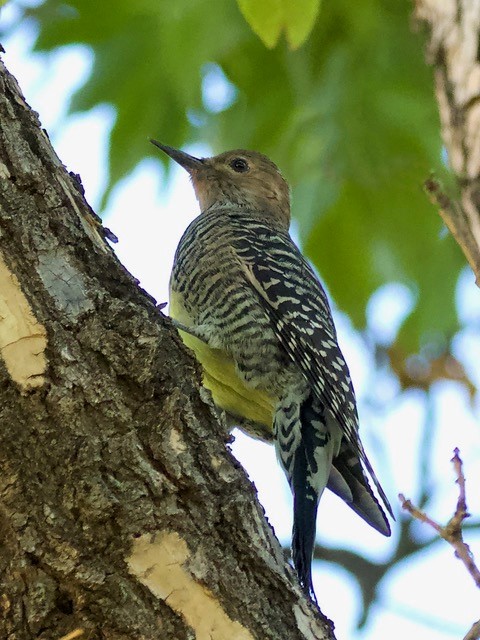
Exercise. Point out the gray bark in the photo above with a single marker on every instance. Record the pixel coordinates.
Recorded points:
(122, 512)
(453, 50)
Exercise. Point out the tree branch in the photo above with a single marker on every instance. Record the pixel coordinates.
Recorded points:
(452, 531)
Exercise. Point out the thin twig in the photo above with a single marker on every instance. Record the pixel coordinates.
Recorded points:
(416, 513)
(452, 531)
(462, 501)
(456, 221)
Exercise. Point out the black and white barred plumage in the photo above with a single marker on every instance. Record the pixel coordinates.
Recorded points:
(257, 318)
(252, 295)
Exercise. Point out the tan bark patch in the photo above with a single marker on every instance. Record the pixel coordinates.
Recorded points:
(22, 338)
(158, 562)
(77, 633)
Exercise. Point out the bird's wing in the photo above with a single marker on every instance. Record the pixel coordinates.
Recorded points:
(299, 311)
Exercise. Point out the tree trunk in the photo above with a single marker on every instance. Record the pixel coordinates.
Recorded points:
(122, 512)
(453, 50)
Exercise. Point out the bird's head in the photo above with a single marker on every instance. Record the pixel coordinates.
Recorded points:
(239, 178)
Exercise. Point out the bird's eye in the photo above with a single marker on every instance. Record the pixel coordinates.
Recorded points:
(239, 165)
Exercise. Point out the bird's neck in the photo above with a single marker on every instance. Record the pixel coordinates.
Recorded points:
(264, 212)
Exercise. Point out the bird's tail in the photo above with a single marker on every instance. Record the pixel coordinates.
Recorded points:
(305, 506)
(349, 481)
(311, 466)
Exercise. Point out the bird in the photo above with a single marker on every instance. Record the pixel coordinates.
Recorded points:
(257, 318)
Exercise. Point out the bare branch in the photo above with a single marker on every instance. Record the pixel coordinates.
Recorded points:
(452, 531)
(418, 514)
(456, 221)
(461, 511)
(454, 526)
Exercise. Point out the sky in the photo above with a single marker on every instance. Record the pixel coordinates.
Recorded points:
(429, 596)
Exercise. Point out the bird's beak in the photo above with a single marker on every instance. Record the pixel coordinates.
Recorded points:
(188, 162)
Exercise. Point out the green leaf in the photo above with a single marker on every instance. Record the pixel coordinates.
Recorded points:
(269, 18)
(265, 19)
(299, 19)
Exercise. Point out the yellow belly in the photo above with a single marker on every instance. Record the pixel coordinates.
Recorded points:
(229, 392)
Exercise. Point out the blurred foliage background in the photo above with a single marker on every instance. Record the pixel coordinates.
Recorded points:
(339, 96)
(349, 116)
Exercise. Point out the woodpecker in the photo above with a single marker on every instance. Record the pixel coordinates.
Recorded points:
(258, 320)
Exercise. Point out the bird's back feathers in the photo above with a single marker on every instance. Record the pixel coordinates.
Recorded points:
(298, 308)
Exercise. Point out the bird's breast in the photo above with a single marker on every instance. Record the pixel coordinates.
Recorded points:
(220, 376)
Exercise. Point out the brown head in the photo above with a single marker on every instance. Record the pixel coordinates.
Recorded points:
(245, 179)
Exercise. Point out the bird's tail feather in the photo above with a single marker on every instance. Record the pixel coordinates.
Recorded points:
(305, 506)
(348, 480)
(311, 467)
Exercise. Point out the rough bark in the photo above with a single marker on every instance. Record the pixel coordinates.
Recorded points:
(122, 512)
(453, 50)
